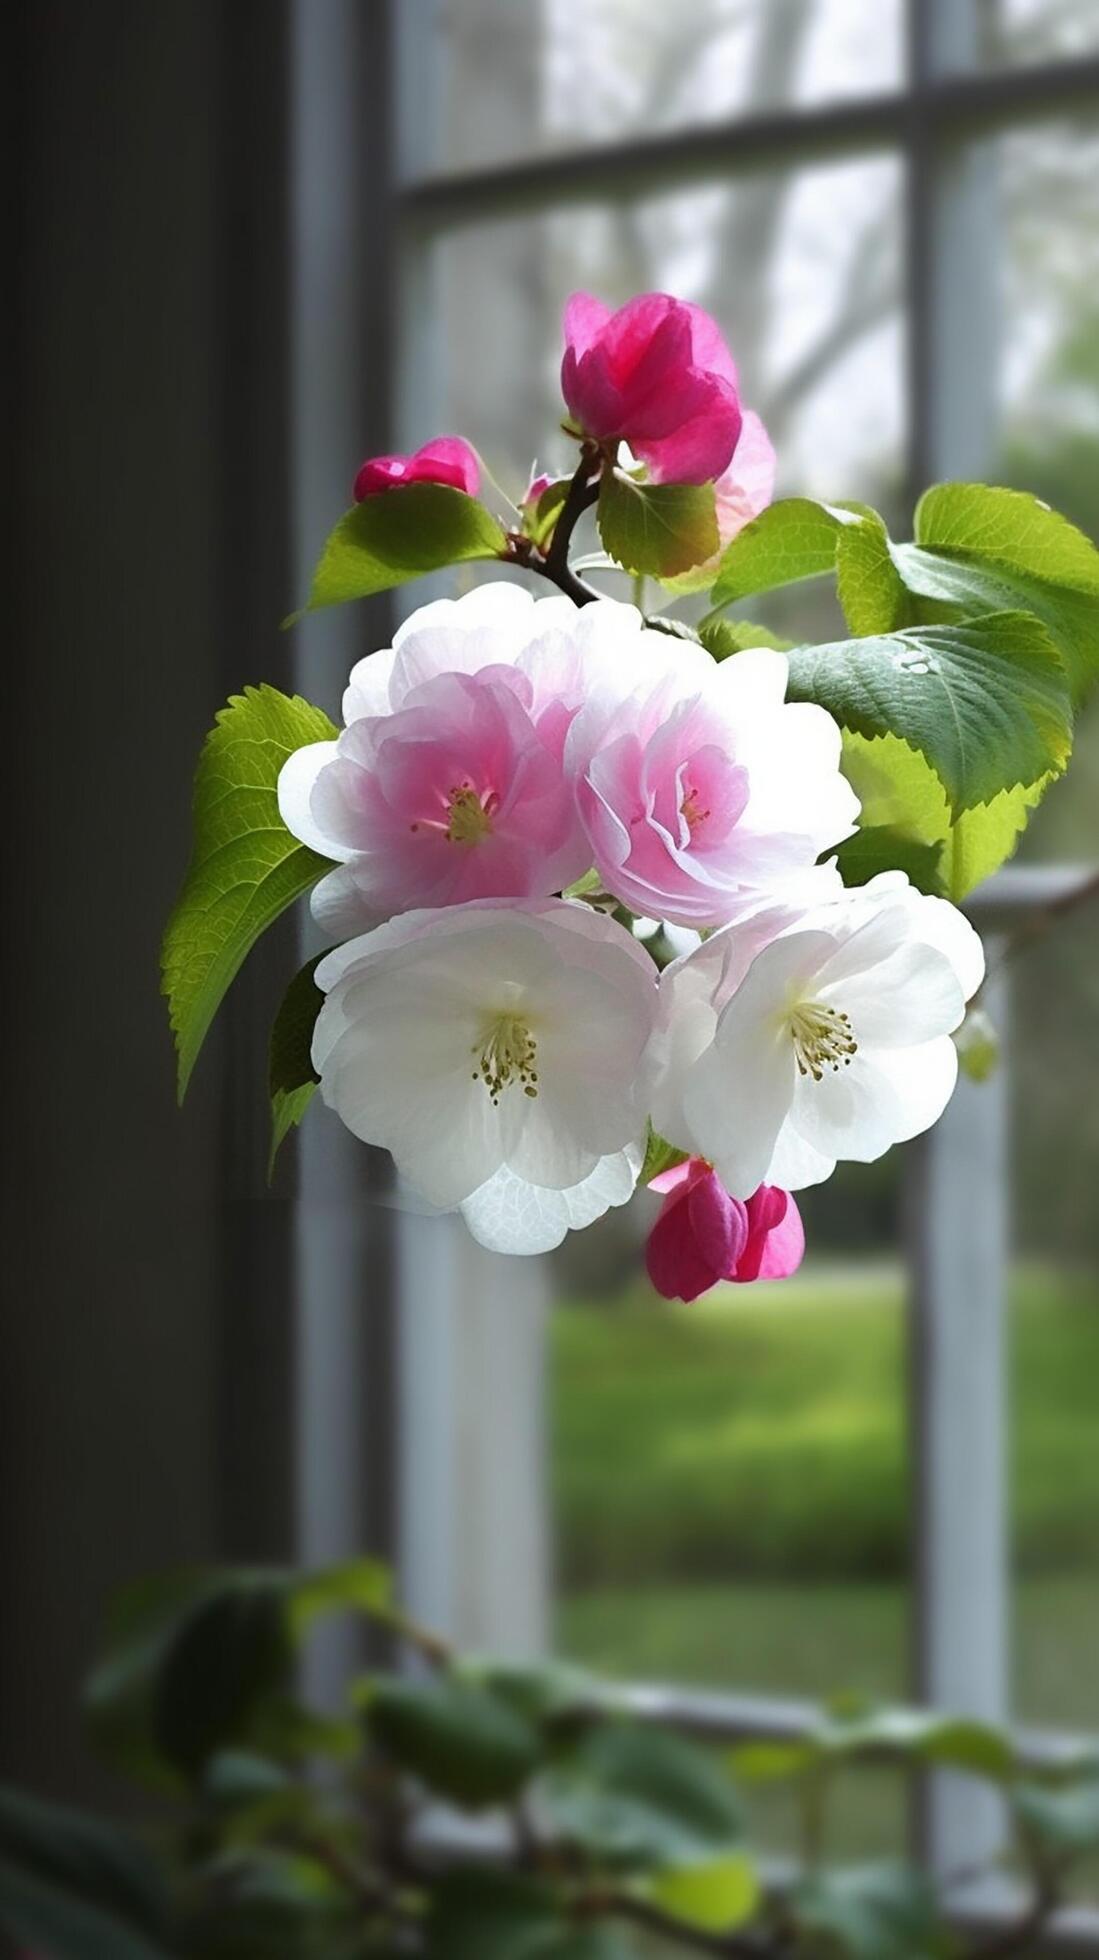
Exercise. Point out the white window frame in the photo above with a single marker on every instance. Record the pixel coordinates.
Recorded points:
(466, 1330)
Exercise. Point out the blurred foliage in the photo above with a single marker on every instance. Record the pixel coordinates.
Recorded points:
(763, 1433)
(288, 1835)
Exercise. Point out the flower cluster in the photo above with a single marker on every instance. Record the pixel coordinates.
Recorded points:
(577, 861)
(509, 1044)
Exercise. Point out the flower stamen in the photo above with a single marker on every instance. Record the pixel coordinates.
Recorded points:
(822, 1039)
(690, 812)
(509, 1053)
(469, 818)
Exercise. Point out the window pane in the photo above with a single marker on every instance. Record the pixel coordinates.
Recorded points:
(1017, 31)
(1048, 180)
(801, 268)
(558, 74)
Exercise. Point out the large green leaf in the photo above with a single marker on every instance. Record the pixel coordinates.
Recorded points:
(245, 867)
(201, 1661)
(399, 535)
(790, 540)
(875, 1912)
(662, 528)
(639, 1796)
(986, 701)
(884, 847)
(978, 550)
(291, 1077)
(501, 1916)
(77, 1888)
(461, 1740)
(903, 798)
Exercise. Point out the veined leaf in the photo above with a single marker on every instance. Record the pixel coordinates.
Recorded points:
(663, 528)
(986, 701)
(245, 867)
(291, 1077)
(398, 535)
(76, 1887)
(790, 540)
(724, 637)
(901, 793)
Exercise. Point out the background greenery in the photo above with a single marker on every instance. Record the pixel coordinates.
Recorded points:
(731, 1486)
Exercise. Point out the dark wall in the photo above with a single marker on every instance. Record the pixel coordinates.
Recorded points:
(144, 1400)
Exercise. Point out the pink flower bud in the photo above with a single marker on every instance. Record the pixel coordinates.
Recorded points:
(658, 375)
(448, 460)
(536, 487)
(703, 1235)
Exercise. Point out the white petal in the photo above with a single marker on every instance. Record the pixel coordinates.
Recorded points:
(508, 1214)
(735, 1102)
(908, 998)
(795, 1164)
(297, 778)
(367, 690)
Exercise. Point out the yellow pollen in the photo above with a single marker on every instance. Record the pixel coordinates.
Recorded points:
(468, 818)
(508, 1054)
(689, 809)
(822, 1039)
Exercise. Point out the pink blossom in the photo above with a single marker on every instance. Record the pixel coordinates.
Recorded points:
(447, 459)
(658, 375)
(748, 484)
(452, 797)
(703, 1235)
(702, 791)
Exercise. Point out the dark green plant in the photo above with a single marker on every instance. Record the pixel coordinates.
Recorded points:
(277, 1833)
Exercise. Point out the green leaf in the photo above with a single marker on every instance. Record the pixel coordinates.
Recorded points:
(953, 1742)
(543, 1692)
(462, 1741)
(663, 528)
(245, 866)
(792, 539)
(724, 637)
(870, 588)
(540, 519)
(399, 535)
(231, 1654)
(876, 1912)
(360, 1585)
(941, 588)
(986, 702)
(899, 790)
(660, 1155)
(772, 1762)
(77, 1888)
(883, 847)
(712, 1898)
(501, 1916)
(1062, 1820)
(291, 1077)
(634, 1795)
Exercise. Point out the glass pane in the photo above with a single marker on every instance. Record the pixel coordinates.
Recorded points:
(1017, 31)
(560, 74)
(801, 268)
(1048, 187)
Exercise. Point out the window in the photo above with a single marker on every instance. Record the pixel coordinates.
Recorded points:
(895, 213)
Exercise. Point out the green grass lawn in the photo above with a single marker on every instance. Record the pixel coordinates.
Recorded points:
(731, 1488)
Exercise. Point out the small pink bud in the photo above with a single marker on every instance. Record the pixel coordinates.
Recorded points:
(448, 460)
(658, 375)
(703, 1235)
(536, 486)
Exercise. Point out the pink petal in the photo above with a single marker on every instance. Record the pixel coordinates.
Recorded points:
(670, 1180)
(776, 1237)
(719, 1224)
(446, 459)
(675, 1265)
(585, 318)
(700, 449)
